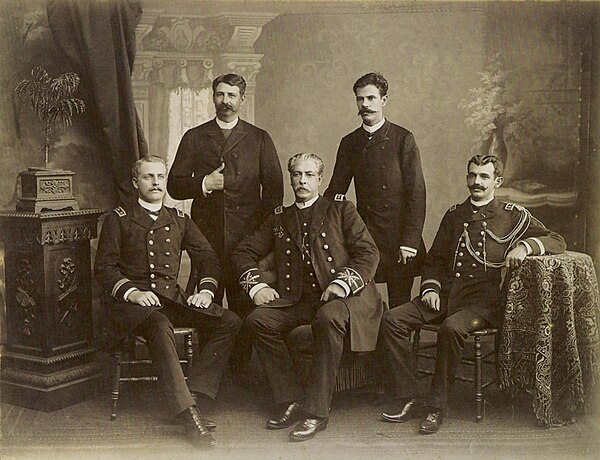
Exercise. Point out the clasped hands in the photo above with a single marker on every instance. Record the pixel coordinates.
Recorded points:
(268, 294)
(150, 299)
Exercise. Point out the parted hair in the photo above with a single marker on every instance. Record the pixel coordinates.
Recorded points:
(135, 169)
(481, 160)
(372, 78)
(232, 79)
(303, 157)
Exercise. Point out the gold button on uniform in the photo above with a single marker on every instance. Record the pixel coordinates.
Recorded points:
(329, 259)
(168, 240)
(167, 228)
(287, 288)
(153, 285)
(457, 275)
(150, 242)
(323, 234)
(332, 270)
(288, 252)
(151, 265)
(459, 264)
(151, 232)
(152, 275)
(151, 254)
(325, 246)
(287, 277)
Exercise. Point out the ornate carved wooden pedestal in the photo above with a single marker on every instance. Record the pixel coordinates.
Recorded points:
(49, 362)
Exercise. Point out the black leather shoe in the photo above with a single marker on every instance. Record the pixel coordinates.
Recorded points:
(198, 397)
(195, 430)
(290, 415)
(407, 411)
(431, 424)
(308, 428)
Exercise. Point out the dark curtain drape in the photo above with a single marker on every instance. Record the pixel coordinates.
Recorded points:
(98, 36)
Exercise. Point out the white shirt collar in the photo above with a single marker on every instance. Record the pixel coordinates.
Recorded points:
(307, 204)
(150, 206)
(375, 127)
(479, 204)
(225, 125)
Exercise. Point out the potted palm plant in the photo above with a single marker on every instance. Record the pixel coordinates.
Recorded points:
(51, 99)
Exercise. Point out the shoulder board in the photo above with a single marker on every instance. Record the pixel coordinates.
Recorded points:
(452, 208)
(339, 197)
(278, 210)
(511, 206)
(180, 212)
(120, 211)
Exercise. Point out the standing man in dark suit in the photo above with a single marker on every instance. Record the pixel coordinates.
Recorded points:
(478, 240)
(384, 161)
(231, 170)
(325, 261)
(137, 265)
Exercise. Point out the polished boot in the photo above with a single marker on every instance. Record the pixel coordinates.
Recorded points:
(290, 415)
(407, 410)
(308, 428)
(195, 430)
(431, 424)
(199, 397)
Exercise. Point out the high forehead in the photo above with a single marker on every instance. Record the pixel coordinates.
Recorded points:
(305, 166)
(482, 169)
(369, 90)
(153, 167)
(226, 88)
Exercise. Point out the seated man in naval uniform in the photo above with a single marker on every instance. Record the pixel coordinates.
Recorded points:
(137, 264)
(325, 261)
(477, 241)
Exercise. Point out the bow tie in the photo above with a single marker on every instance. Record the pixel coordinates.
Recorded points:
(152, 213)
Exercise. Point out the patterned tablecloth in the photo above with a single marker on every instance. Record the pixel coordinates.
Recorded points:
(550, 340)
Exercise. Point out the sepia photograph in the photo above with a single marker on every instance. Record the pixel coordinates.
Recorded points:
(299, 229)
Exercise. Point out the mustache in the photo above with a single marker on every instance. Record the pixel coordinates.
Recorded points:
(477, 187)
(225, 106)
(156, 188)
(362, 111)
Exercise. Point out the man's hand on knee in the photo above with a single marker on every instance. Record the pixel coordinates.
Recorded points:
(333, 291)
(432, 300)
(144, 298)
(200, 300)
(265, 295)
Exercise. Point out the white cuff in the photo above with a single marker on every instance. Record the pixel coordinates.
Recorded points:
(541, 245)
(527, 246)
(257, 288)
(209, 292)
(343, 285)
(205, 191)
(409, 249)
(426, 291)
(127, 292)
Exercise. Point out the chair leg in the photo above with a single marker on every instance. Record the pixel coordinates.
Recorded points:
(189, 353)
(115, 386)
(478, 378)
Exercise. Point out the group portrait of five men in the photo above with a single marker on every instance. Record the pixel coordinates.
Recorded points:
(315, 262)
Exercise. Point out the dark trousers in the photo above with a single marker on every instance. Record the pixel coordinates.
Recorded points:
(399, 288)
(239, 303)
(329, 323)
(396, 328)
(208, 368)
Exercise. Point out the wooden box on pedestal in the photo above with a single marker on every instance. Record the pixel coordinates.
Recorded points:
(49, 361)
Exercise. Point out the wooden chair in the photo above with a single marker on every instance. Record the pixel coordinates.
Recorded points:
(127, 361)
(477, 361)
